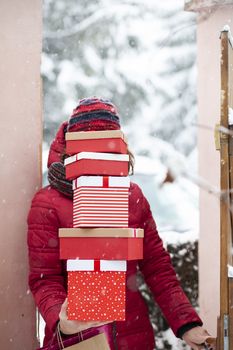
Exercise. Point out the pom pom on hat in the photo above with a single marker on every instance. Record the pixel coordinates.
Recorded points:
(93, 114)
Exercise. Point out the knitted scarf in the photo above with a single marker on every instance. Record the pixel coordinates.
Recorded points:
(57, 179)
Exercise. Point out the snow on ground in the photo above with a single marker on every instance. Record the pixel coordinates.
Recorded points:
(176, 344)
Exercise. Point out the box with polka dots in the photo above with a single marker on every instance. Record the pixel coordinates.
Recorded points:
(96, 290)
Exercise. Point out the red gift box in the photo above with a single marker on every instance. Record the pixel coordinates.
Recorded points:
(100, 201)
(110, 141)
(93, 163)
(101, 243)
(96, 290)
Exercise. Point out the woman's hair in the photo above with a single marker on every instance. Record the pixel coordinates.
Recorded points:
(131, 160)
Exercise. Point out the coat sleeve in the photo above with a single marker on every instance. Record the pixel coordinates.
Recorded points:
(46, 279)
(161, 277)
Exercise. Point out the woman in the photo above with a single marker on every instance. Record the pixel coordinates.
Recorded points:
(52, 208)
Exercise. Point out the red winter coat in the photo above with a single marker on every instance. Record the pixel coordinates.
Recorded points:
(47, 279)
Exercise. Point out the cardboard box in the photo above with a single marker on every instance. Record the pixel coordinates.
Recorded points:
(93, 135)
(109, 248)
(96, 295)
(101, 232)
(110, 141)
(93, 163)
(100, 201)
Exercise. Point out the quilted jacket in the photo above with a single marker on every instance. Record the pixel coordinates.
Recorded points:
(51, 210)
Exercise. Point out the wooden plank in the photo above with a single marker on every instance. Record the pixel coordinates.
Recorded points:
(230, 105)
(224, 181)
(226, 213)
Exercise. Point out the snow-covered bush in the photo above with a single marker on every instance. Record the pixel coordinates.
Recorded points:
(184, 257)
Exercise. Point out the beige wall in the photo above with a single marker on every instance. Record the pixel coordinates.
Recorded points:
(208, 31)
(194, 5)
(20, 175)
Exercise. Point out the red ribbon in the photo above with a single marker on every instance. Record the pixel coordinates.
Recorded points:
(96, 265)
(105, 181)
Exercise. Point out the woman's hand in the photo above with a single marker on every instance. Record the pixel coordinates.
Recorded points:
(72, 327)
(196, 337)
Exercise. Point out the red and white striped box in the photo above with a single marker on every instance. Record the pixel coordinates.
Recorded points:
(101, 201)
(96, 290)
(94, 163)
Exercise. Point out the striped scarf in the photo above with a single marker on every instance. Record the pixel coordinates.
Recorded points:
(57, 179)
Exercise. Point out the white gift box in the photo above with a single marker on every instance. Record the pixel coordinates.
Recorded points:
(96, 265)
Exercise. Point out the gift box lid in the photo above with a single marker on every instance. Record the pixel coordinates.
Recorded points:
(92, 135)
(97, 156)
(96, 265)
(101, 181)
(101, 232)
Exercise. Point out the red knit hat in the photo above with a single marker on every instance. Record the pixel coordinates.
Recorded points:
(93, 114)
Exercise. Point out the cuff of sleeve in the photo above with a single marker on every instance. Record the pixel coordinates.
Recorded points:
(52, 317)
(186, 328)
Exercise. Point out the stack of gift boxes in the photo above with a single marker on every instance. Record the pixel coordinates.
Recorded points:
(100, 242)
